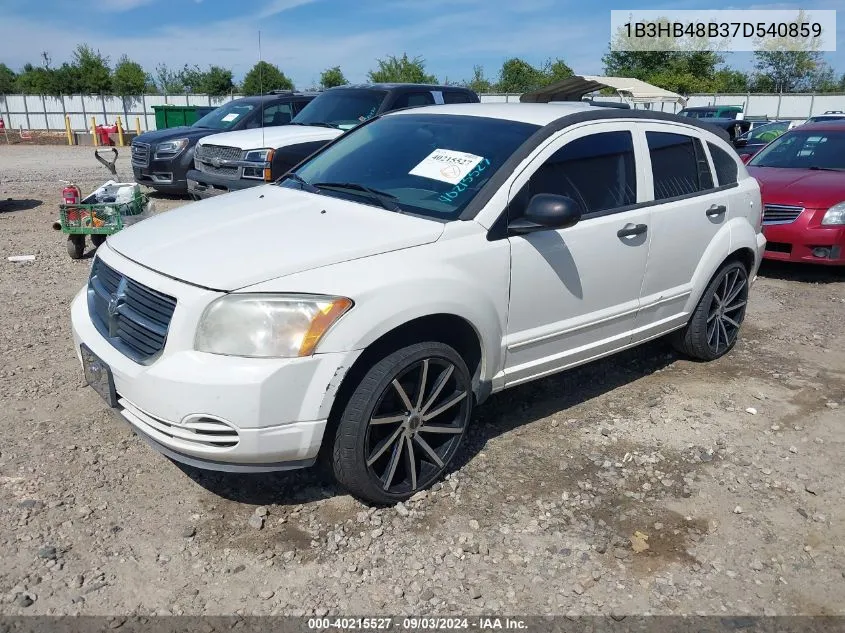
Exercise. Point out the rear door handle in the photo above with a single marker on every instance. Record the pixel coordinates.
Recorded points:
(630, 230)
(716, 209)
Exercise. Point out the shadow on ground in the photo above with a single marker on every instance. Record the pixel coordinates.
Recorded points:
(499, 415)
(812, 273)
(26, 204)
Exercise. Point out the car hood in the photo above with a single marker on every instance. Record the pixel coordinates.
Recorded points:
(813, 189)
(272, 137)
(159, 136)
(258, 234)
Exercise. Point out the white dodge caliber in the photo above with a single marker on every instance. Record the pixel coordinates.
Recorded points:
(361, 307)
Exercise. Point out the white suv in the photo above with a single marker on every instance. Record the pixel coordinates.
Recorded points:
(365, 304)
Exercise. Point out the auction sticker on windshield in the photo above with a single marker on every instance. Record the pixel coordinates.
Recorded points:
(231, 116)
(446, 165)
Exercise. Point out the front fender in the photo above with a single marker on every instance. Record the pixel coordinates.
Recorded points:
(461, 274)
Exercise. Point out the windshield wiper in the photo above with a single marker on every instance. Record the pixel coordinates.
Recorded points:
(307, 186)
(817, 168)
(383, 198)
(331, 125)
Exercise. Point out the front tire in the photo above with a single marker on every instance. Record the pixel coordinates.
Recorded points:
(403, 424)
(714, 326)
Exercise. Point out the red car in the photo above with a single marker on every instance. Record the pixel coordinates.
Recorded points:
(802, 179)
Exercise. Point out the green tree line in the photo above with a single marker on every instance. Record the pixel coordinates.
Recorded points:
(685, 72)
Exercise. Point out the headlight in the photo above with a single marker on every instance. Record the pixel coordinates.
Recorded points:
(168, 149)
(262, 158)
(259, 155)
(266, 325)
(835, 214)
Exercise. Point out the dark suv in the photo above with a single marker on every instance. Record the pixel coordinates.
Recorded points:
(161, 159)
(228, 162)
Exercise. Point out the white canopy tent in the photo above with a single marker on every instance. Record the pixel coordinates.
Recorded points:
(575, 87)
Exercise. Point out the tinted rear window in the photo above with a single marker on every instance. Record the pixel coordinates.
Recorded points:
(678, 165)
(725, 164)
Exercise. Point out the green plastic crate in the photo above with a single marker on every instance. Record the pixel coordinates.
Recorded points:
(98, 219)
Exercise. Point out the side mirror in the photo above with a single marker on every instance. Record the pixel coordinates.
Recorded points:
(547, 211)
(740, 142)
(745, 158)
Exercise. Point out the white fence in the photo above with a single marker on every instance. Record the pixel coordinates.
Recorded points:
(774, 106)
(37, 112)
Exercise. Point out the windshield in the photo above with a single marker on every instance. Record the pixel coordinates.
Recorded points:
(425, 164)
(766, 133)
(342, 109)
(225, 117)
(804, 149)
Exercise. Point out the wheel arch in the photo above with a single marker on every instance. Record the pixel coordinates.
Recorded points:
(730, 243)
(445, 327)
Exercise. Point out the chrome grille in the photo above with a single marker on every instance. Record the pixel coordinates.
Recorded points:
(133, 317)
(208, 158)
(780, 213)
(140, 154)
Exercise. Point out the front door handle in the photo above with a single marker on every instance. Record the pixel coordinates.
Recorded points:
(630, 230)
(716, 209)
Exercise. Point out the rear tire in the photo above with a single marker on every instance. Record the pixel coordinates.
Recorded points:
(97, 240)
(714, 326)
(76, 246)
(403, 423)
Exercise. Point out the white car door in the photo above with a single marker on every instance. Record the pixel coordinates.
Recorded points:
(690, 209)
(575, 292)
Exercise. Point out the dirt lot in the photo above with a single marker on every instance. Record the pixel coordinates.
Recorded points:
(732, 470)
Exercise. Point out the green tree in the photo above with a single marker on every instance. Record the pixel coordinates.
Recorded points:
(519, 76)
(217, 81)
(66, 80)
(479, 82)
(34, 80)
(791, 63)
(823, 79)
(554, 71)
(332, 77)
(94, 71)
(129, 78)
(168, 81)
(264, 77)
(401, 70)
(192, 79)
(787, 70)
(7, 79)
(729, 80)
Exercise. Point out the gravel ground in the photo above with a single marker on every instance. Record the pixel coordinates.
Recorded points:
(644, 483)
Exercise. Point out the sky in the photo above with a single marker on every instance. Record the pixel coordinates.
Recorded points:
(304, 37)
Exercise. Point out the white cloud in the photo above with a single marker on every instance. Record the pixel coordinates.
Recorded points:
(279, 6)
(119, 6)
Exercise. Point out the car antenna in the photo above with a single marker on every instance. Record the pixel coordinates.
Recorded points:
(261, 86)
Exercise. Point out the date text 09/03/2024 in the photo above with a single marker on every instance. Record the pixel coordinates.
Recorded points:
(418, 624)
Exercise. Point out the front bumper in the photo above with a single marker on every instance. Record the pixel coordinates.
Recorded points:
(212, 411)
(806, 240)
(165, 175)
(203, 185)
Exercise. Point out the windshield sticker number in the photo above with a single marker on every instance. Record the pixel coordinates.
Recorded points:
(449, 196)
(230, 117)
(446, 165)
